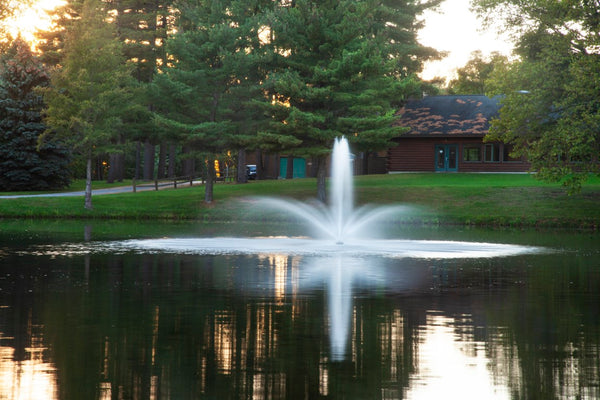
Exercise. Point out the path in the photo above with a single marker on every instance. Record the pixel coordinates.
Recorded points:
(113, 190)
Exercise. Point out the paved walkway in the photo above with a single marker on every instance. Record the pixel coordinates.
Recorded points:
(113, 190)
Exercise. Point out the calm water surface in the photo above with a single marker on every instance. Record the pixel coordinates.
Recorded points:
(78, 321)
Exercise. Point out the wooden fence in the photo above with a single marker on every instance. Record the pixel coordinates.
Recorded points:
(176, 182)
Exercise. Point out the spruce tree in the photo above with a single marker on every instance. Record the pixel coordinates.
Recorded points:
(142, 26)
(342, 68)
(212, 77)
(25, 163)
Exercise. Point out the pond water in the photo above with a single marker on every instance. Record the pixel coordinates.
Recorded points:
(88, 313)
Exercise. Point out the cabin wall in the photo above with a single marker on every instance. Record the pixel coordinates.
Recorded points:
(418, 154)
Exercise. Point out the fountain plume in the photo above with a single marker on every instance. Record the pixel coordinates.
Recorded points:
(338, 220)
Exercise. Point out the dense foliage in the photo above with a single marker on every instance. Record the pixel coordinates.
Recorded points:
(473, 77)
(26, 164)
(8, 8)
(338, 70)
(213, 76)
(551, 109)
(92, 90)
(201, 79)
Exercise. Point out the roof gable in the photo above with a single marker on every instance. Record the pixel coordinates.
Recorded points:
(449, 115)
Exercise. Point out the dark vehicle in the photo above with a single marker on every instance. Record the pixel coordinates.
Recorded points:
(251, 171)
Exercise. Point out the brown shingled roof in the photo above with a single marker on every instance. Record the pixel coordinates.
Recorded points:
(449, 115)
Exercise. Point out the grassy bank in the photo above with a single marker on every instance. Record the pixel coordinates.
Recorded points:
(475, 199)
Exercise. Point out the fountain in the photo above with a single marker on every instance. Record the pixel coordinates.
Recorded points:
(338, 229)
(339, 221)
(343, 252)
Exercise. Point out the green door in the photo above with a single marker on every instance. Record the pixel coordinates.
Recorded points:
(299, 167)
(446, 157)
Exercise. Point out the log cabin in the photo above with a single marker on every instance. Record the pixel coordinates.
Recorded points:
(446, 134)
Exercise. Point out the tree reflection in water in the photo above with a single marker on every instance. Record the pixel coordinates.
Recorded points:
(171, 326)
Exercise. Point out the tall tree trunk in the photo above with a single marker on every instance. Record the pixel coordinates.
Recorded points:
(138, 150)
(162, 161)
(365, 164)
(289, 172)
(321, 179)
(88, 184)
(116, 165)
(121, 173)
(172, 161)
(189, 165)
(210, 178)
(112, 168)
(99, 169)
(242, 176)
(149, 151)
(260, 168)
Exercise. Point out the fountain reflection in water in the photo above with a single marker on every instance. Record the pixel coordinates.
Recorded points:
(345, 237)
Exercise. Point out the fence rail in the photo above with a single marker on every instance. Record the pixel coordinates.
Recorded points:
(167, 182)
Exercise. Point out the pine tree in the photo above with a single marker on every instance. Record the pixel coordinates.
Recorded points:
(143, 26)
(51, 42)
(211, 80)
(92, 90)
(342, 68)
(8, 9)
(26, 164)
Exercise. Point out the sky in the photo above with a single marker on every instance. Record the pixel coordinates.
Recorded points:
(33, 17)
(453, 29)
(456, 29)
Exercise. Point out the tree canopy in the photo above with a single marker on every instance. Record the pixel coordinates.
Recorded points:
(92, 90)
(26, 164)
(473, 77)
(340, 68)
(551, 108)
(214, 77)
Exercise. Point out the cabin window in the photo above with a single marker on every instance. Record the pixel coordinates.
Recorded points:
(472, 153)
(492, 152)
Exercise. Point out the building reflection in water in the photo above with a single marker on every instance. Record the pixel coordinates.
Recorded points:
(278, 326)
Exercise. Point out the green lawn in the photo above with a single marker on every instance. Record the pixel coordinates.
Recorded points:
(477, 199)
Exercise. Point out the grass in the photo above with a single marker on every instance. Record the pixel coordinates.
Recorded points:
(469, 199)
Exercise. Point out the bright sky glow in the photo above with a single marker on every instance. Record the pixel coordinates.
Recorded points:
(455, 29)
(31, 19)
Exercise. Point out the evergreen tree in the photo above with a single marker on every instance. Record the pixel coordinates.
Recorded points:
(342, 68)
(51, 42)
(7, 10)
(212, 77)
(142, 26)
(26, 164)
(92, 90)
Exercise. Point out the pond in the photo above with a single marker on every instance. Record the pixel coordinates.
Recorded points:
(88, 313)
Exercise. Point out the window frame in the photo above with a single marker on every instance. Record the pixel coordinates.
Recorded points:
(472, 146)
(495, 153)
